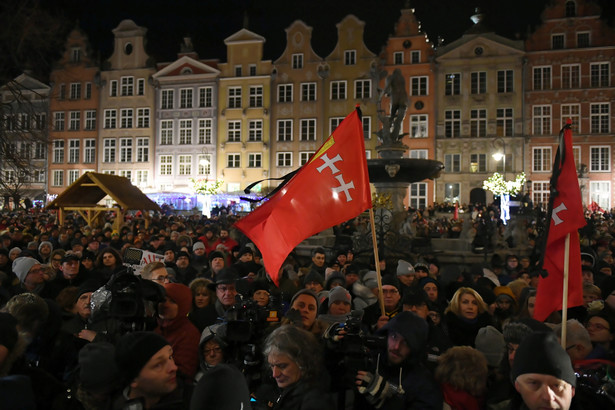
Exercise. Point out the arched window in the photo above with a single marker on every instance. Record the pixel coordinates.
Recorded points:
(186, 70)
(571, 9)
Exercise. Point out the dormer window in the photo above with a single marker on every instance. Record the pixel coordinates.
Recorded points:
(571, 9)
(75, 55)
(186, 71)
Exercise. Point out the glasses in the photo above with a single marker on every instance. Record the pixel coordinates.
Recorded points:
(212, 350)
(597, 326)
(163, 279)
(37, 270)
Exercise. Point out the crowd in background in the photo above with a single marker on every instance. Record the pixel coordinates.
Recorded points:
(322, 338)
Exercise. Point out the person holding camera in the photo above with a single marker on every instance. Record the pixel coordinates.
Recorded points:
(401, 379)
(295, 360)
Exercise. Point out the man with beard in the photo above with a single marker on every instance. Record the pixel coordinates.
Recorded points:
(184, 272)
(406, 336)
(198, 260)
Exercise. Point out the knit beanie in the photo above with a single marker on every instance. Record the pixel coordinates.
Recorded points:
(541, 353)
(305, 292)
(370, 279)
(391, 281)
(22, 265)
(97, 366)
(313, 276)
(45, 243)
(490, 342)
(335, 277)
(339, 293)
(515, 332)
(404, 268)
(134, 350)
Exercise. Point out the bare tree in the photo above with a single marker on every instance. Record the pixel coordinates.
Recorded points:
(30, 40)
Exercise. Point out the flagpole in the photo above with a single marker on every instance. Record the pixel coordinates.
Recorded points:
(565, 294)
(376, 260)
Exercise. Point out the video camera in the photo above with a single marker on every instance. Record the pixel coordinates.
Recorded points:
(246, 325)
(352, 349)
(130, 301)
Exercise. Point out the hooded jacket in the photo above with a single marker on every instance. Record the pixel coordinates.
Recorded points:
(181, 334)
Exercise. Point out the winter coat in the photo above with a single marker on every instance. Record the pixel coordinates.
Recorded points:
(303, 396)
(183, 337)
(463, 332)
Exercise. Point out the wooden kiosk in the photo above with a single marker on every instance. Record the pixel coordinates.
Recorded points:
(83, 196)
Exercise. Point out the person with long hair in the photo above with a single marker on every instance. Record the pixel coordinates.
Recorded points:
(108, 262)
(203, 312)
(295, 360)
(465, 315)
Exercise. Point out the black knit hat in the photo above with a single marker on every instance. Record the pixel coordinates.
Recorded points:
(98, 370)
(313, 276)
(215, 254)
(134, 350)
(541, 353)
(391, 280)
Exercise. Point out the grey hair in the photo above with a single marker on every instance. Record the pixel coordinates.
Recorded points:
(298, 344)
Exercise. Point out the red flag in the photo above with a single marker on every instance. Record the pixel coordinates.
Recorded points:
(566, 218)
(330, 189)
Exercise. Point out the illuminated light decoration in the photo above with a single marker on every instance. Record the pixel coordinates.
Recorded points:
(496, 184)
(206, 187)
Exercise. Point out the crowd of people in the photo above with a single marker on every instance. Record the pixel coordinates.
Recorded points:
(203, 325)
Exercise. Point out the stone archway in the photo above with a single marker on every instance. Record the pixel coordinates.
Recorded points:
(478, 195)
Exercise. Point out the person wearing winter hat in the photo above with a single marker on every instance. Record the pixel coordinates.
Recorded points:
(174, 326)
(403, 361)
(98, 374)
(406, 275)
(44, 251)
(226, 292)
(490, 342)
(146, 364)
(391, 295)
(340, 301)
(198, 260)
(303, 311)
(334, 279)
(543, 373)
(217, 262)
(184, 271)
(31, 276)
(212, 348)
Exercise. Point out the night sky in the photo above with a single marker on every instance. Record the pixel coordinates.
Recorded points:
(208, 22)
